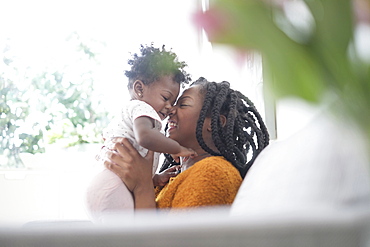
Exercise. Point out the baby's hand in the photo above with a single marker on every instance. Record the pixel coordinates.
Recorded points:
(161, 179)
(184, 152)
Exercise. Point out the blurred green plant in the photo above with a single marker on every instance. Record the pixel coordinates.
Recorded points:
(310, 60)
(55, 105)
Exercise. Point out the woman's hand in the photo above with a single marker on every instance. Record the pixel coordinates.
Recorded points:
(133, 169)
(161, 179)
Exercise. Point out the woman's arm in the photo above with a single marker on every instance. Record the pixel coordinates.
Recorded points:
(134, 170)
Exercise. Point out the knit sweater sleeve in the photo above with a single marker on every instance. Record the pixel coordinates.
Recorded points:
(212, 182)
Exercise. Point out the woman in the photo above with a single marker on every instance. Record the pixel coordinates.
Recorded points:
(222, 126)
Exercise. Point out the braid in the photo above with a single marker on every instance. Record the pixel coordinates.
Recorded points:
(203, 113)
(230, 126)
(243, 137)
(215, 117)
(264, 133)
(168, 161)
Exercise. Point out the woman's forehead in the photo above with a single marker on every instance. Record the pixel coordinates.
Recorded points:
(192, 92)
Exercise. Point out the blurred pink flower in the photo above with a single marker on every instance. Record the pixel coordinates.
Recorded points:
(362, 10)
(214, 21)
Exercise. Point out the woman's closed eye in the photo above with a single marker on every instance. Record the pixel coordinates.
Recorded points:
(184, 102)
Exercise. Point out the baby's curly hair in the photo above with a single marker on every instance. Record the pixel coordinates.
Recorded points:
(154, 63)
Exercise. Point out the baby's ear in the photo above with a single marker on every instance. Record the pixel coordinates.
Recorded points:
(138, 88)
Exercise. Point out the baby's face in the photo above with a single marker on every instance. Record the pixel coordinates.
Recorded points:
(162, 95)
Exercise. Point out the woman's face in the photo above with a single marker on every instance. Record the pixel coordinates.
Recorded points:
(184, 116)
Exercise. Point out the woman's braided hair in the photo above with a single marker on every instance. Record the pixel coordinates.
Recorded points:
(243, 136)
(154, 63)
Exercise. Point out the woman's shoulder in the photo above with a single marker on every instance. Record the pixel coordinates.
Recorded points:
(214, 161)
(215, 165)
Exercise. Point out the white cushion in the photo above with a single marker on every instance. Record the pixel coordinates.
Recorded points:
(324, 165)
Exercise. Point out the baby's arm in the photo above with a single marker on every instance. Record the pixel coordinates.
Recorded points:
(152, 139)
(161, 179)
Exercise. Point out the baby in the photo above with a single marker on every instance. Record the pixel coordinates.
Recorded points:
(154, 85)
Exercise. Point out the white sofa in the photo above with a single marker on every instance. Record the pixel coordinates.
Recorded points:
(211, 227)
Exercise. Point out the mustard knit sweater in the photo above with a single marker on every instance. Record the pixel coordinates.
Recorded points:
(209, 182)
